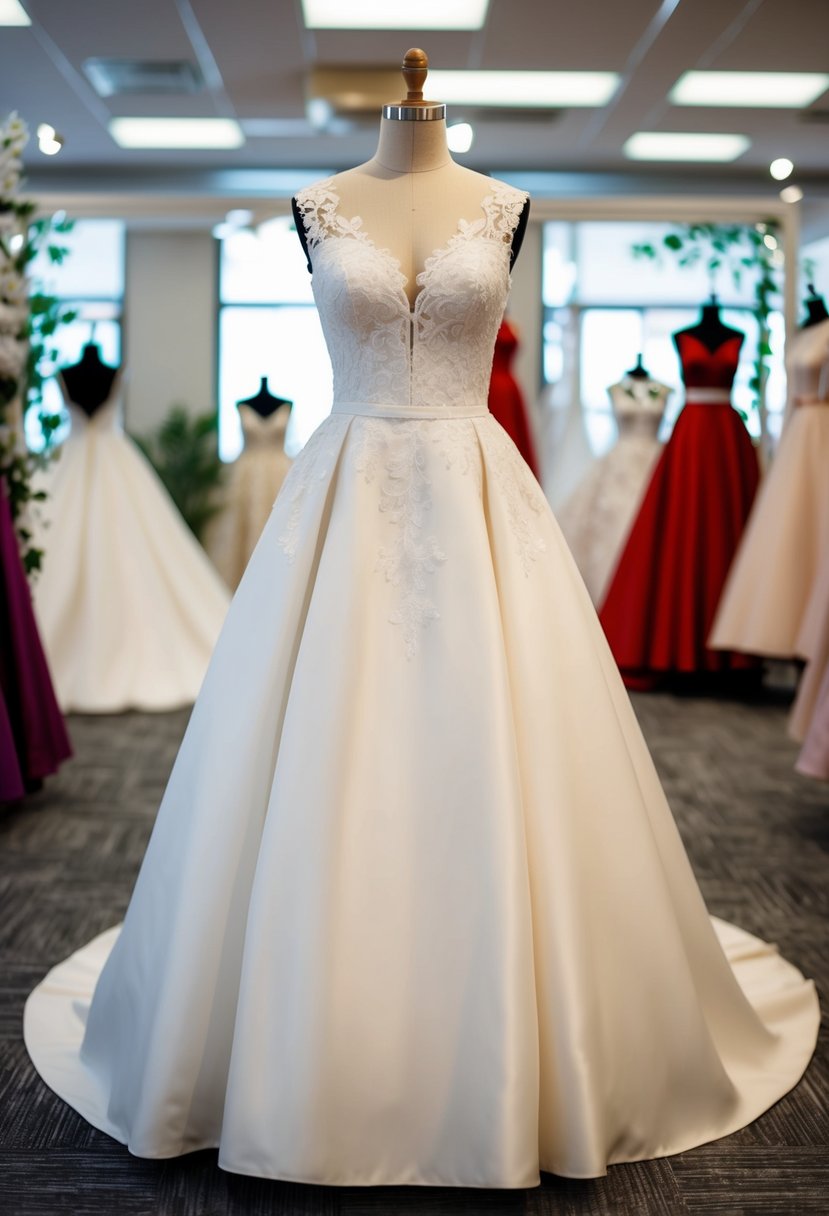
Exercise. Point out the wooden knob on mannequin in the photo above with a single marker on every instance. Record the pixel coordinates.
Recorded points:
(415, 69)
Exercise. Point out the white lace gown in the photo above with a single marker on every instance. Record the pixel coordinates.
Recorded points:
(128, 603)
(415, 909)
(254, 480)
(598, 516)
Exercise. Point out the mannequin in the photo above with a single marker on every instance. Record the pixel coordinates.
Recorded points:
(411, 194)
(639, 372)
(88, 383)
(264, 402)
(709, 329)
(816, 310)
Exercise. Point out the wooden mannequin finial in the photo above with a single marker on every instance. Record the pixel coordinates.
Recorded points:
(415, 68)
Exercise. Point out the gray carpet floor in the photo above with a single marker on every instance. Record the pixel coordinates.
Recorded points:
(757, 835)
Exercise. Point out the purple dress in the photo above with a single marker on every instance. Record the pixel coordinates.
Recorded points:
(33, 738)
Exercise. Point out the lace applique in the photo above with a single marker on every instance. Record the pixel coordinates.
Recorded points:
(458, 447)
(522, 494)
(396, 450)
(314, 463)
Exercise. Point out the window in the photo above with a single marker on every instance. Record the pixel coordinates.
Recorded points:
(268, 326)
(603, 307)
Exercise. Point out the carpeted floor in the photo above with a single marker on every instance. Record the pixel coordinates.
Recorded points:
(757, 835)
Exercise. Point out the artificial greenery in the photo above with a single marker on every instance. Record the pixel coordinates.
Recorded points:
(28, 322)
(183, 451)
(735, 249)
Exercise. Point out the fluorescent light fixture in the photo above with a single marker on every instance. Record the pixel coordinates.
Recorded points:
(13, 13)
(681, 145)
(394, 14)
(459, 136)
(763, 90)
(791, 194)
(176, 132)
(781, 168)
(517, 89)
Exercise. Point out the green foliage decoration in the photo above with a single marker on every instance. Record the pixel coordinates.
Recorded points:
(183, 450)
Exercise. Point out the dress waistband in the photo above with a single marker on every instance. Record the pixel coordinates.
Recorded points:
(707, 396)
(370, 409)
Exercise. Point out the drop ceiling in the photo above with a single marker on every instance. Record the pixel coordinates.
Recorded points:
(255, 57)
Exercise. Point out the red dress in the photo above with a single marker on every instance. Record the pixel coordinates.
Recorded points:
(662, 598)
(506, 401)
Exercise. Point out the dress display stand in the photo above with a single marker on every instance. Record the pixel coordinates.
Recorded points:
(128, 603)
(414, 910)
(597, 518)
(506, 400)
(33, 738)
(254, 480)
(661, 600)
(772, 603)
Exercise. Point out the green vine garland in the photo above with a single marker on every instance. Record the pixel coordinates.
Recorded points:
(735, 248)
(28, 321)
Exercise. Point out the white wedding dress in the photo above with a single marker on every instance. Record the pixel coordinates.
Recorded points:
(128, 603)
(415, 909)
(254, 480)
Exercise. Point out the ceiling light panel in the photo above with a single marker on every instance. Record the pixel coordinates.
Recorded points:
(516, 89)
(685, 146)
(13, 13)
(755, 90)
(176, 132)
(394, 14)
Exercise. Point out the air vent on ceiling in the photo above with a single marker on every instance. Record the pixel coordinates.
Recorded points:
(111, 76)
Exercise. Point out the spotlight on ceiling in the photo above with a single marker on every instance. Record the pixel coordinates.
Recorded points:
(791, 194)
(48, 140)
(781, 168)
(460, 136)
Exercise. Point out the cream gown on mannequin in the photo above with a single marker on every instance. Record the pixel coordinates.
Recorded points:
(597, 517)
(128, 603)
(254, 480)
(772, 602)
(415, 909)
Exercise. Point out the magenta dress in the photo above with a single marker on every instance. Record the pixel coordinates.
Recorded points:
(33, 738)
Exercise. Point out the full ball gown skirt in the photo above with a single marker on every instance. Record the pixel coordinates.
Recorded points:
(809, 719)
(253, 482)
(506, 401)
(663, 595)
(129, 604)
(415, 909)
(33, 738)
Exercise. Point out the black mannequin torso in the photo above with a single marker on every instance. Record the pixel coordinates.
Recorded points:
(264, 402)
(517, 236)
(816, 310)
(88, 383)
(639, 372)
(709, 330)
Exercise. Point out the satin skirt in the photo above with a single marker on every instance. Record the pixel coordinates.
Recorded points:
(253, 482)
(415, 909)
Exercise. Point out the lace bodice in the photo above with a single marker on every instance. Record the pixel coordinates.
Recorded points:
(638, 404)
(263, 432)
(438, 353)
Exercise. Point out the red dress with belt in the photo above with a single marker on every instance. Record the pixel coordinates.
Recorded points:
(506, 401)
(662, 598)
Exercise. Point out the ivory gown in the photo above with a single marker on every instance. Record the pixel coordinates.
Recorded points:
(415, 909)
(128, 603)
(772, 602)
(254, 480)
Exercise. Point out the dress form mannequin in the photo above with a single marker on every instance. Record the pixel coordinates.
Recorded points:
(709, 329)
(816, 310)
(411, 194)
(264, 402)
(88, 383)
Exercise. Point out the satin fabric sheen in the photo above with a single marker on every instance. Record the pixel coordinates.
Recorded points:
(414, 910)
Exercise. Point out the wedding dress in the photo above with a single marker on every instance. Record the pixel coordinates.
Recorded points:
(254, 480)
(128, 603)
(415, 909)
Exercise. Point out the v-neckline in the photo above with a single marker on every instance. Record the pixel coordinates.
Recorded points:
(354, 229)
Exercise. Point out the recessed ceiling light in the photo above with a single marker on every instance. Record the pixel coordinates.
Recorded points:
(383, 15)
(459, 136)
(781, 168)
(765, 90)
(176, 132)
(516, 89)
(791, 194)
(682, 145)
(13, 13)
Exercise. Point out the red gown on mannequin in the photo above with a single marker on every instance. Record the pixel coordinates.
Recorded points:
(506, 401)
(662, 598)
